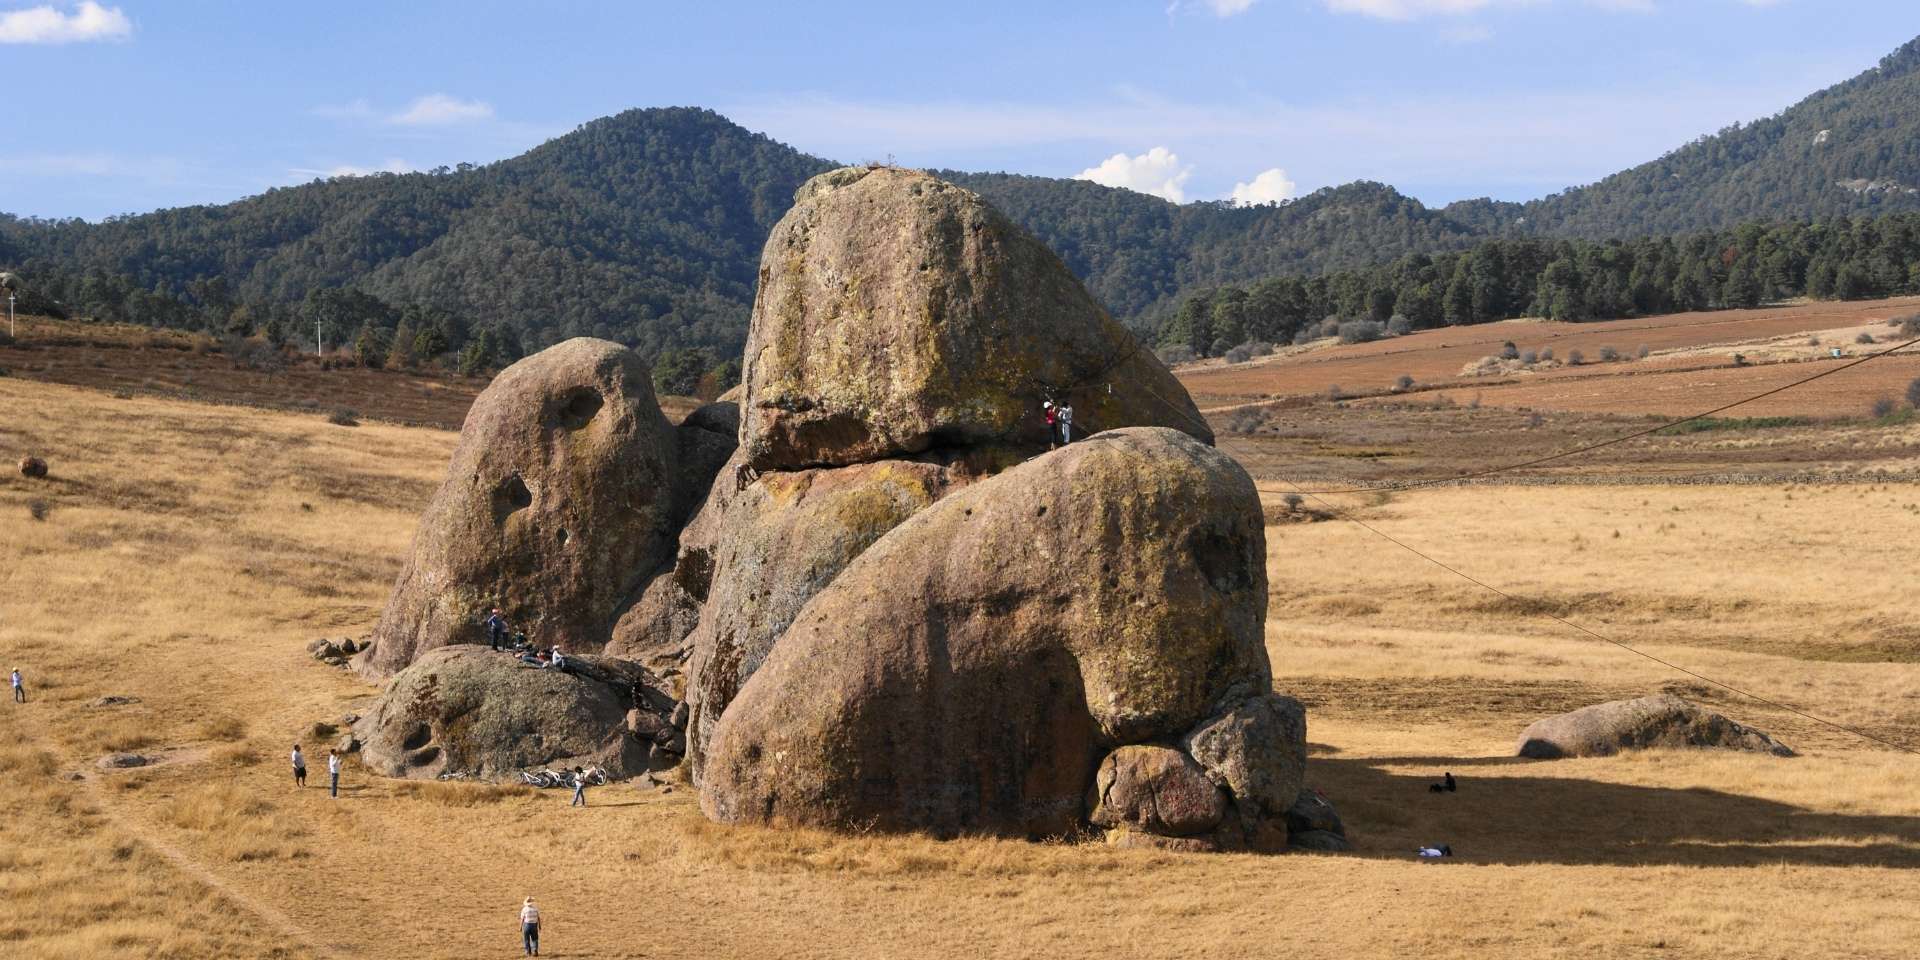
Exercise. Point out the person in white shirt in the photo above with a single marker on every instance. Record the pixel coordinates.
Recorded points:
(299, 767)
(530, 927)
(333, 773)
(1066, 423)
(19, 688)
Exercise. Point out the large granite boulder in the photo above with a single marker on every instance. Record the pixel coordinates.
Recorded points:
(770, 547)
(469, 710)
(968, 671)
(1158, 790)
(1663, 720)
(897, 313)
(566, 491)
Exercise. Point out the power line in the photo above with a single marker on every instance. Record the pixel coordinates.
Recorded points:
(1637, 434)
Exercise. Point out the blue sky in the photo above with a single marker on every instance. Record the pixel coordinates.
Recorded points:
(118, 107)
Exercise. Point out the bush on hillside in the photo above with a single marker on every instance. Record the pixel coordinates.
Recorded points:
(1361, 331)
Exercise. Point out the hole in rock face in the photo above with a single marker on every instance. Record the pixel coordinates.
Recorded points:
(416, 738)
(1222, 559)
(512, 495)
(563, 537)
(578, 406)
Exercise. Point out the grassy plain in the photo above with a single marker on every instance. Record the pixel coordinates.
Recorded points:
(185, 553)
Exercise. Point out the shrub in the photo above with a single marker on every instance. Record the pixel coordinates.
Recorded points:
(1575, 357)
(1910, 325)
(1303, 336)
(343, 417)
(1913, 393)
(1609, 354)
(1361, 331)
(1641, 352)
(1330, 327)
(1546, 354)
(1398, 325)
(38, 509)
(1529, 357)
(1535, 419)
(1294, 502)
(1239, 355)
(1175, 353)
(1245, 421)
(1813, 341)
(1864, 338)
(1404, 383)
(250, 354)
(1259, 348)
(1334, 392)
(1509, 352)
(1884, 408)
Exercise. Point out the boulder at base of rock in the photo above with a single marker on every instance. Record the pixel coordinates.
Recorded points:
(1663, 720)
(558, 501)
(967, 671)
(471, 711)
(1257, 750)
(1158, 790)
(33, 468)
(897, 312)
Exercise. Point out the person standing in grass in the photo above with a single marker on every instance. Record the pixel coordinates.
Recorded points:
(333, 773)
(579, 787)
(530, 927)
(19, 688)
(299, 767)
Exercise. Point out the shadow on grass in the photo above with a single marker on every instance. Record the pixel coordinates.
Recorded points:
(1513, 818)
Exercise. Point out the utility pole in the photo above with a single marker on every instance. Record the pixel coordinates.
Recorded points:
(319, 347)
(9, 314)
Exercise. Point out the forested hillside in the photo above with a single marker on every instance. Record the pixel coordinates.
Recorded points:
(1853, 149)
(646, 227)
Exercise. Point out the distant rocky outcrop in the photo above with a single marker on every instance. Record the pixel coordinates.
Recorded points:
(471, 711)
(565, 493)
(1663, 720)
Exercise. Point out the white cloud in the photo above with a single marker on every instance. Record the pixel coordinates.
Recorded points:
(1219, 8)
(438, 109)
(1417, 9)
(1157, 172)
(1271, 186)
(46, 24)
(393, 165)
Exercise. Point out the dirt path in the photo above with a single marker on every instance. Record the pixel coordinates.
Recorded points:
(299, 939)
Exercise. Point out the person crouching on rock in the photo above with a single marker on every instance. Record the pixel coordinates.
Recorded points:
(496, 630)
(530, 927)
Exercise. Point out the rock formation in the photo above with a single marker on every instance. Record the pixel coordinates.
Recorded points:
(566, 490)
(970, 670)
(903, 338)
(1663, 720)
(468, 710)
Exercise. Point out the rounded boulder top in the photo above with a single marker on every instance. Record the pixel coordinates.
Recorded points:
(897, 313)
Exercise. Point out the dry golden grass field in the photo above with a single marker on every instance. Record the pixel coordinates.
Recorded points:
(185, 553)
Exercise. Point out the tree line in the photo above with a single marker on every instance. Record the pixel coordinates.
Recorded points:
(1747, 266)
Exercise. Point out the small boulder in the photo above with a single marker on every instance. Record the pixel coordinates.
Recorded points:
(122, 761)
(1312, 813)
(1158, 790)
(33, 468)
(1663, 720)
(1319, 841)
(1257, 750)
(470, 711)
(115, 701)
